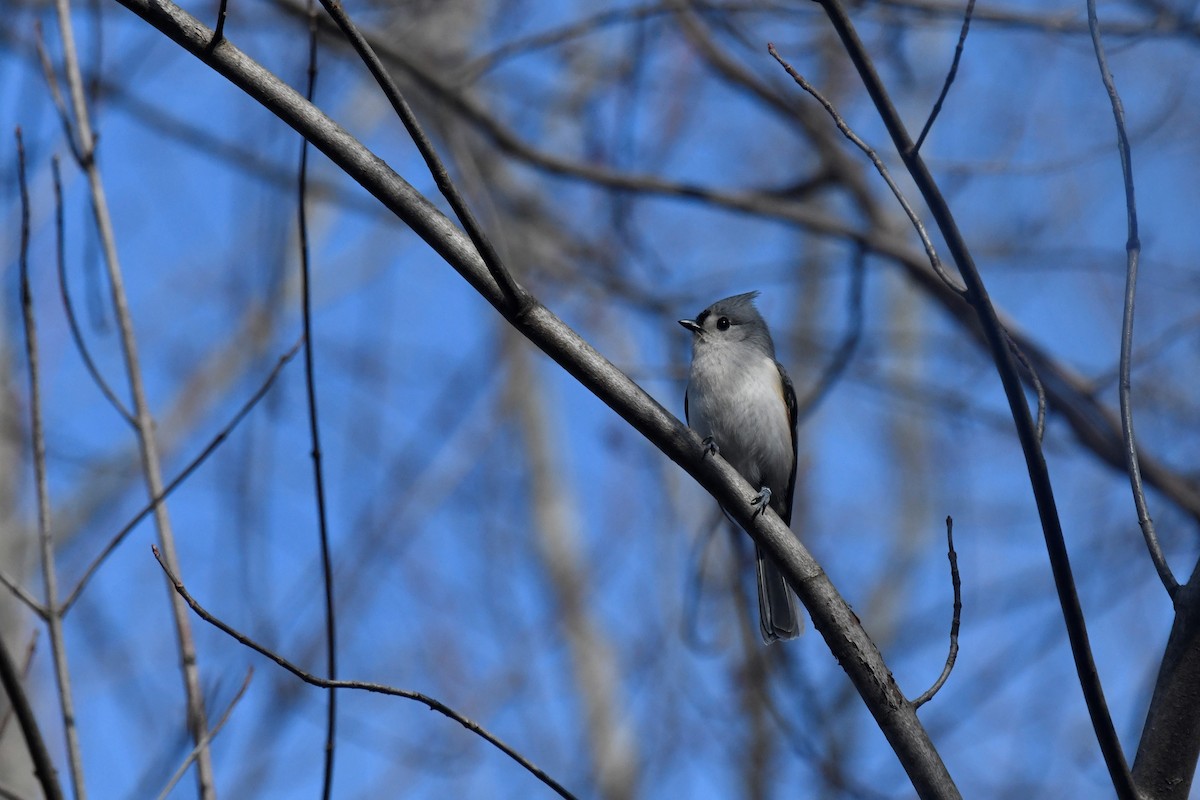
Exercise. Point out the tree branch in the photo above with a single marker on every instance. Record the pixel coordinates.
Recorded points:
(53, 617)
(178, 480)
(958, 51)
(314, 427)
(1165, 764)
(997, 341)
(85, 139)
(956, 585)
(514, 295)
(43, 767)
(324, 683)
(1133, 249)
(832, 616)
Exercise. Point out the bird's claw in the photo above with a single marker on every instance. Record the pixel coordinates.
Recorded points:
(710, 446)
(762, 500)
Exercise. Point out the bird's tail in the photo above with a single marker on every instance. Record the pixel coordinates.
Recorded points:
(776, 607)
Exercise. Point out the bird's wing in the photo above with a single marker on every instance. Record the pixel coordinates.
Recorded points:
(789, 400)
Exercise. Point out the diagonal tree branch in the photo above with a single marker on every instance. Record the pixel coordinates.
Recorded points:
(832, 617)
(516, 296)
(998, 345)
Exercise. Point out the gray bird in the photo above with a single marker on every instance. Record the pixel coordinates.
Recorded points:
(741, 401)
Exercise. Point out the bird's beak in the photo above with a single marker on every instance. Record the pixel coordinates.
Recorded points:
(691, 325)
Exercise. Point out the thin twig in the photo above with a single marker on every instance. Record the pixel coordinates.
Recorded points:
(64, 116)
(183, 475)
(187, 762)
(926, 242)
(22, 594)
(958, 51)
(43, 767)
(516, 297)
(9, 675)
(956, 583)
(378, 688)
(58, 645)
(68, 306)
(1035, 460)
(314, 428)
(1133, 249)
(1034, 379)
(147, 438)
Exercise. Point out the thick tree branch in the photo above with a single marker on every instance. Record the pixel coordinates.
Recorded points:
(1165, 765)
(831, 615)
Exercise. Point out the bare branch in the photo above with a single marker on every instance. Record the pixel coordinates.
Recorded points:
(147, 438)
(1133, 249)
(314, 427)
(1169, 748)
(1039, 475)
(9, 675)
(379, 688)
(58, 646)
(926, 242)
(1036, 381)
(22, 594)
(956, 584)
(958, 51)
(69, 308)
(515, 297)
(64, 116)
(183, 475)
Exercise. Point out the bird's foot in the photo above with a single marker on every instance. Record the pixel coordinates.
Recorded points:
(762, 500)
(710, 446)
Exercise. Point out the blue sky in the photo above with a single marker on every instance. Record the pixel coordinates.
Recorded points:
(441, 583)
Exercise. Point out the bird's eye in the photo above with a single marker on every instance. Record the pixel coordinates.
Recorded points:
(723, 324)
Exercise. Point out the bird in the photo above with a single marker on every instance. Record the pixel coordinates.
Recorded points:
(741, 402)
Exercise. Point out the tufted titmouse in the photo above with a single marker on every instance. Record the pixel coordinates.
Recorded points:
(741, 401)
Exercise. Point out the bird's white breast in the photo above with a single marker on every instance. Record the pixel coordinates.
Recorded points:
(740, 403)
